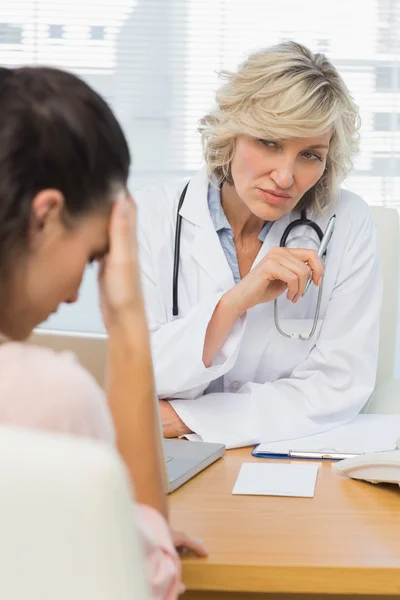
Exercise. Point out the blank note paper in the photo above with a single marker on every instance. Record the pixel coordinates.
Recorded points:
(267, 479)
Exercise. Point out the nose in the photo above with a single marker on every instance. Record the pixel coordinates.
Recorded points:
(283, 173)
(72, 299)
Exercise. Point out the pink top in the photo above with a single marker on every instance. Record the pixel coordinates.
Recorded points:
(31, 396)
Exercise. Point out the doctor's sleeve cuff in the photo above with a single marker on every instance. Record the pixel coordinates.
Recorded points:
(178, 353)
(223, 418)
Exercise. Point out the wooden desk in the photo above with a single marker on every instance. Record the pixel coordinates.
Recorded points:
(345, 542)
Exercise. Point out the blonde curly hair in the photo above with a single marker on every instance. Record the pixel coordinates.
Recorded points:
(285, 91)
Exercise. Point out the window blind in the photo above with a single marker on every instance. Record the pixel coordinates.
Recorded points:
(156, 62)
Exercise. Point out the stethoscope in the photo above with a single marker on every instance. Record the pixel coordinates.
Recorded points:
(302, 222)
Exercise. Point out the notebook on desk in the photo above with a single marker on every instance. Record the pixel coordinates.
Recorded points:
(366, 433)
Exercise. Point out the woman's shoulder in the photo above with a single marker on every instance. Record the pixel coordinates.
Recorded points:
(51, 390)
(165, 197)
(161, 196)
(156, 211)
(352, 205)
(354, 217)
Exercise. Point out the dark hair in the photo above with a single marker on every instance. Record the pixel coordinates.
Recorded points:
(55, 132)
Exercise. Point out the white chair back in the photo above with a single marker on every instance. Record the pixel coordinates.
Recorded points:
(387, 222)
(386, 396)
(89, 348)
(66, 520)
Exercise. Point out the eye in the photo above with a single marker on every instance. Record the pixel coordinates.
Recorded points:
(312, 156)
(268, 143)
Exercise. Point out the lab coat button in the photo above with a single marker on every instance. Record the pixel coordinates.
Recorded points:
(235, 385)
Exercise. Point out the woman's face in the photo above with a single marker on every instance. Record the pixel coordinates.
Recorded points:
(50, 272)
(271, 176)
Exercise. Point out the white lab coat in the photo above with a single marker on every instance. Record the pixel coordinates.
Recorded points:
(261, 386)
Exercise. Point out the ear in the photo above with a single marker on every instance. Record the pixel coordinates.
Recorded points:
(46, 206)
(46, 213)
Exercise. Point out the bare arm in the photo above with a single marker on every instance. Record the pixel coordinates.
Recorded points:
(131, 390)
(225, 315)
(132, 401)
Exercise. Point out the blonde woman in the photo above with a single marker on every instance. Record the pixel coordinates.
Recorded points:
(241, 355)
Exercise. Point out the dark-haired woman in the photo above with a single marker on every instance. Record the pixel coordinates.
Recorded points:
(64, 166)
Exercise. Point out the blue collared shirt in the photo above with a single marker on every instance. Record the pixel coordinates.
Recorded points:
(224, 230)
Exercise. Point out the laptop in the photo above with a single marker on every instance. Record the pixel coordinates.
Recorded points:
(186, 459)
(183, 459)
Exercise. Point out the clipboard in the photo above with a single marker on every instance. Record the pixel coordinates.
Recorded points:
(364, 434)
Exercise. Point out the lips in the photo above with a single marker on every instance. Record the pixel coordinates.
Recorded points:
(274, 197)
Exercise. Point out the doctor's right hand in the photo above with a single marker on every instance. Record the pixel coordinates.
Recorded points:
(280, 270)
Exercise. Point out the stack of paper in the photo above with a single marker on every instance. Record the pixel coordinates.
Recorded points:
(366, 433)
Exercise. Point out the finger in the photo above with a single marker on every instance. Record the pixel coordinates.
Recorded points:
(122, 229)
(301, 269)
(307, 256)
(287, 276)
(289, 261)
(183, 540)
(312, 259)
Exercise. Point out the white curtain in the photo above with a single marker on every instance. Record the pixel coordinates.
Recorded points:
(156, 62)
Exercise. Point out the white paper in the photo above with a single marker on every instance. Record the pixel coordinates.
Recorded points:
(268, 479)
(366, 433)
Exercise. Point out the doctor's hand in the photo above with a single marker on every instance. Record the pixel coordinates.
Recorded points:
(172, 424)
(281, 269)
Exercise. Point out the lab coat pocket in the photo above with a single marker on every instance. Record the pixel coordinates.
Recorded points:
(289, 353)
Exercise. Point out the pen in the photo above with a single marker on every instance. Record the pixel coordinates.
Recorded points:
(321, 454)
(326, 238)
